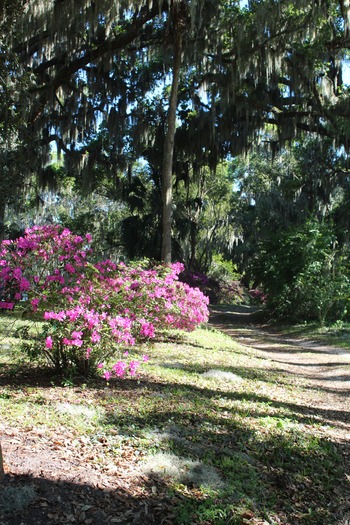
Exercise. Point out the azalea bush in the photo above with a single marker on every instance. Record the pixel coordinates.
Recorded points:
(93, 311)
(219, 290)
(257, 296)
(209, 286)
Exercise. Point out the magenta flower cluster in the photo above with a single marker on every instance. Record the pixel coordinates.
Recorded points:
(93, 311)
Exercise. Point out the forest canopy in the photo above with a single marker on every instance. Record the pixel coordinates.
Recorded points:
(142, 103)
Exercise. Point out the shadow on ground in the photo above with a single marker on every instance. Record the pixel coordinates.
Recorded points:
(38, 501)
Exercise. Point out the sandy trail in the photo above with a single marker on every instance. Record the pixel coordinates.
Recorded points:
(324, 370)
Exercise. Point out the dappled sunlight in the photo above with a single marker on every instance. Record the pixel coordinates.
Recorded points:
(218, 426)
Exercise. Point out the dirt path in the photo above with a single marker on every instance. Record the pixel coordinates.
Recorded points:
(324, 366)
(324, 370)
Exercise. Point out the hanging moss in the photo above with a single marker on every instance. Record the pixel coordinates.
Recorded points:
(87, 62)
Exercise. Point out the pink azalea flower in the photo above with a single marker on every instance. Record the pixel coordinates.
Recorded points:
(17, 273)
(77, 335)
(147, 330)
(95, 337)
(69, 268)
(35, 302)
(119, 368)
(133, 366)
(24, 285)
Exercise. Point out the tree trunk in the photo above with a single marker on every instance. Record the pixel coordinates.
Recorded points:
(2, 473)
(193, 264)
(167, 168)
(2, 219)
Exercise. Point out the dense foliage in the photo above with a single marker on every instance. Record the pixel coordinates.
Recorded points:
(305, 274)
(295, 232)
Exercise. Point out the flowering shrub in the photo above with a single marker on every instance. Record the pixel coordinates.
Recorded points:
(257, 296)
(210, 287)
(218, 290)
(91, 311)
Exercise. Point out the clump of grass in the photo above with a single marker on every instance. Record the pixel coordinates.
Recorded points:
(76, 410)
(182, 470)
(336, 334)
(222, 375)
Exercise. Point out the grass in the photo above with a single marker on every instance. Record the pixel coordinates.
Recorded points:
(233, 445)
(334, 334)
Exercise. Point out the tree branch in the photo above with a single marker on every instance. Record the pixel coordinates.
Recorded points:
(107, 46)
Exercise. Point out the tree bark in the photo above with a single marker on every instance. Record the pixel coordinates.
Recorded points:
(2, 219)
(167, 168)
(193, 264)
(2, 473)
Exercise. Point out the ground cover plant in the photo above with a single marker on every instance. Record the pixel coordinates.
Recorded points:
(209, 433)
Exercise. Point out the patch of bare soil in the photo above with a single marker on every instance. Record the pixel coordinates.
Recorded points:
(53, 480)
(60, 477)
